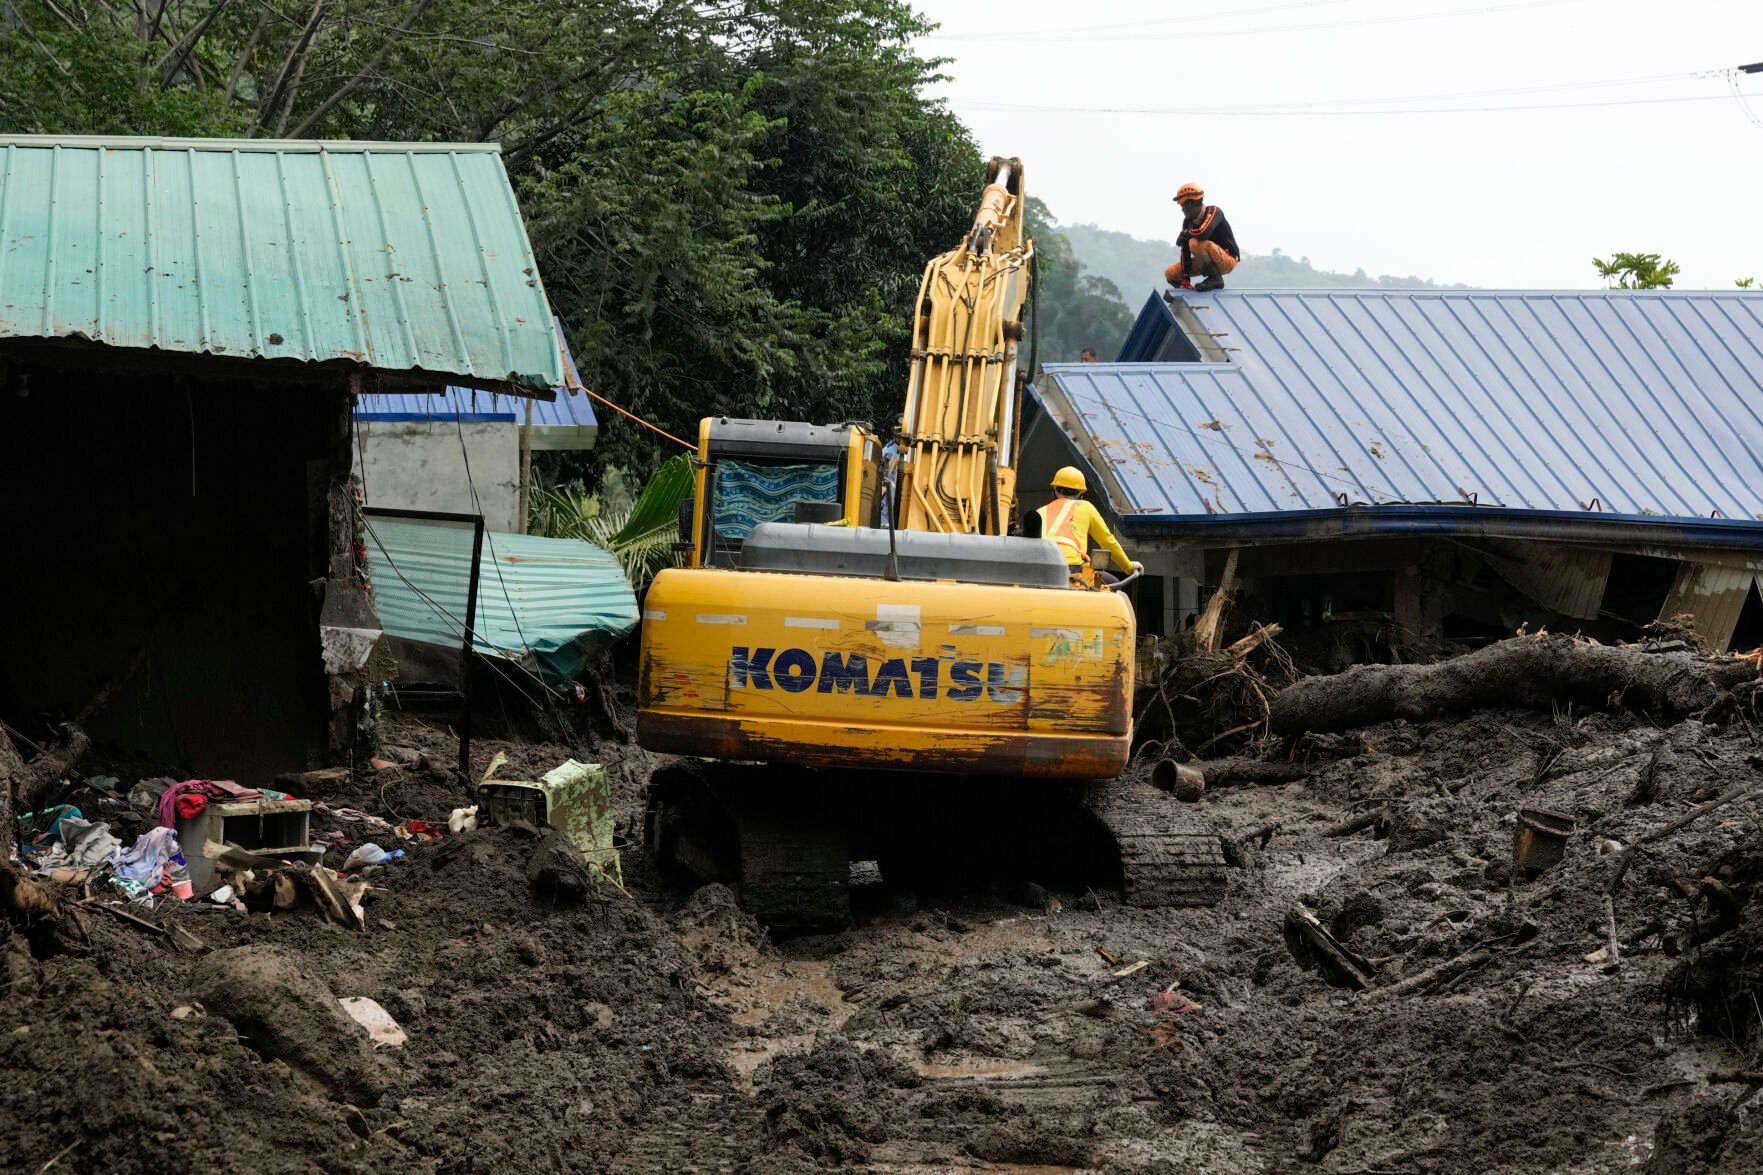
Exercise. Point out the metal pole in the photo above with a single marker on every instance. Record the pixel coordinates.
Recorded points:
(526, 467)
(465, 655)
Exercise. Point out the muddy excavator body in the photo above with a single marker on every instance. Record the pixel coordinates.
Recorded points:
(858, 662)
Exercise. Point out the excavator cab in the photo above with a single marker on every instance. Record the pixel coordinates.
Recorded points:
(754, 472)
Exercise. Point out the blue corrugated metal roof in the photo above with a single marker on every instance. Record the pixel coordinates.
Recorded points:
(567, 422)
(1647, 405)
(542, 601)
(396, 256)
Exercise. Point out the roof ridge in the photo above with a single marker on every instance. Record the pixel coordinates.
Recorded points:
(286, 146)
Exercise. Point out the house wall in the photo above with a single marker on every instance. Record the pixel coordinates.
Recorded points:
(436, 465)
(178, 516)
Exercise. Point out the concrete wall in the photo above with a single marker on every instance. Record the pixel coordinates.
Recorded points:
(419, 465)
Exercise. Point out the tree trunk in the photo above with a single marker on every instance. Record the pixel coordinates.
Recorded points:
(1525, 672)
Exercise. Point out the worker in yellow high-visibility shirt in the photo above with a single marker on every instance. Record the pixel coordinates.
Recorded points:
(1071, 522)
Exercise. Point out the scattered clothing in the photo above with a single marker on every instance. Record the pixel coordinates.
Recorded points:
(371, 825)
(83, 844)
(186, 800)
(145, 860)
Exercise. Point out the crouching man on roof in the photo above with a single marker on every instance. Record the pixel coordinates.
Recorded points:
(1208, 247)
(1071, 522)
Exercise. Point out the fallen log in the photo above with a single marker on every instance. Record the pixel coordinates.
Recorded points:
(1665, 830)
(1535, 673)
(1357, 823)
(1222, 771)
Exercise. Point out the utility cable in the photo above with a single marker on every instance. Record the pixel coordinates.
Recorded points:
(1220, 112)
(640, 420)
(440, 610)
(526, 647)
(1466, 95)
(1186, 33)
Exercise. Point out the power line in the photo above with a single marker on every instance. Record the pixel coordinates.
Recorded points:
(1160, 22)
(1251, 112)
(1075, 35)
(440, 610)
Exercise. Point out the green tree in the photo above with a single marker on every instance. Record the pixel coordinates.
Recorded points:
(1636, 271)
(730, 199)
(1073, 309)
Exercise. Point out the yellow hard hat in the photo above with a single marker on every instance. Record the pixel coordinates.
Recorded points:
(1070, 478)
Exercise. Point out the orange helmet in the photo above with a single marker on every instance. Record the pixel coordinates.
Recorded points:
(1189, 192)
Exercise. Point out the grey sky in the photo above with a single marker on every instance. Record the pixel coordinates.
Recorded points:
(1666, 162)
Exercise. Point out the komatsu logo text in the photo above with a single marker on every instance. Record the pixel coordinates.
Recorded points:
(796, 671)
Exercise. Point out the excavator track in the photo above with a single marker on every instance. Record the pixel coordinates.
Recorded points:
(766, 831)
(1165, 858)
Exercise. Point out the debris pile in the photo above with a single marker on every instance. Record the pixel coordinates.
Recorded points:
(1501, 912)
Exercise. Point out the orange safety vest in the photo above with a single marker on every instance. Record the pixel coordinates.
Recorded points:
(1059, 523)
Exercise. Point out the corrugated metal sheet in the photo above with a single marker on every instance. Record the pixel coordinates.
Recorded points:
(1714, 595)
(399, 257)
(544, 602)
(568, 422)
(1565, 579)
(1635, 404)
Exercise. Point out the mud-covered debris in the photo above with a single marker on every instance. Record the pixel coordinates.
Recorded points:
(557, 871)
(832, 1103)
(286, 1013)
(719, 934)
(1313, 946)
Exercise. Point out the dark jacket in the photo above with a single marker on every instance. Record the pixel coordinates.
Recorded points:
(1212, 226)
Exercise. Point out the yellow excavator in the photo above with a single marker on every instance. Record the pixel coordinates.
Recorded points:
(860, 663)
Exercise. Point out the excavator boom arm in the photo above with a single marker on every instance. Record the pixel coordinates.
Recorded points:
(959, 429)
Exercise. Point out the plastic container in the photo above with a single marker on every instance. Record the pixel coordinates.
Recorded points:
(370, 854)
(177, 871)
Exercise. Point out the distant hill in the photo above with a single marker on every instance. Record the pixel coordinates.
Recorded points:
(1136, 266)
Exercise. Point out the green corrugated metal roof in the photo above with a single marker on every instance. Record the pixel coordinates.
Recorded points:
(542, 601)
(397, 256)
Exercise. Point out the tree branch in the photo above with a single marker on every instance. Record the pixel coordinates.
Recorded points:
(244, 57)
(287, 83)
(179, 53)
(348, 87)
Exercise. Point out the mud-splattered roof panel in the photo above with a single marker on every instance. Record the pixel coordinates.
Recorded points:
(1633, 404)
(403, 257)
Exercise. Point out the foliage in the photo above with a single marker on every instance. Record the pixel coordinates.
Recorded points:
(560, 511)
(1745, 283)
(640, 535)
(1636, 271)
(645, 554)
(1073, 309)
(87, 79)
(731, 200)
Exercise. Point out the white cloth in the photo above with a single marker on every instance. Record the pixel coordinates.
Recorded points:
(145, 860)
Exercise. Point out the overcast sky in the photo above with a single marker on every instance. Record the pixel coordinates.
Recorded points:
(1277, 108)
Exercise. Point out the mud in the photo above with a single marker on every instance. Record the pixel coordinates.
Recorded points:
(970, 1028)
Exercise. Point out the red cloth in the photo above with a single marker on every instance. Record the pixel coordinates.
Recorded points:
(171, 808)
(191, 804)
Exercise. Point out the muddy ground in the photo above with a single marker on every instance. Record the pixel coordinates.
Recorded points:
(995, 1027)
